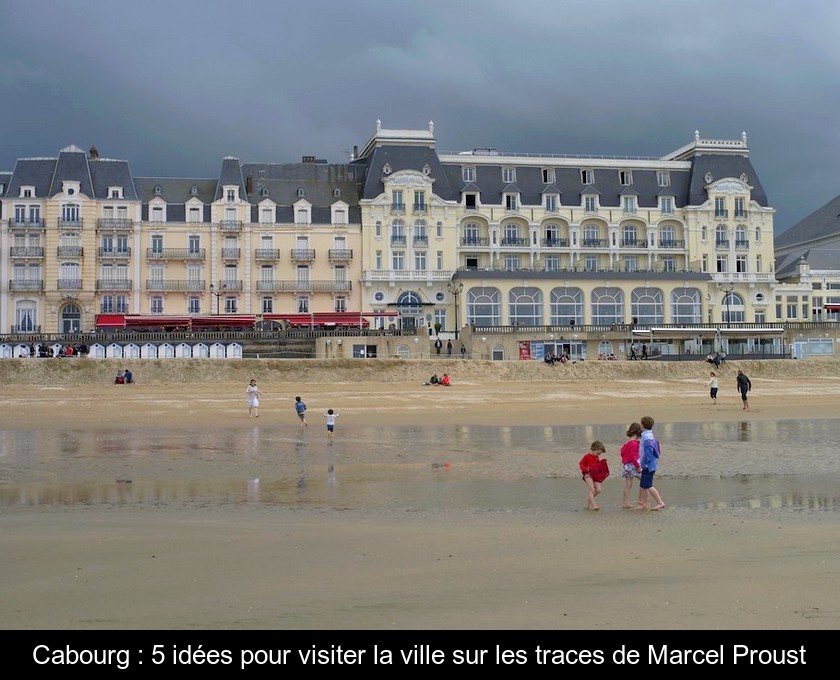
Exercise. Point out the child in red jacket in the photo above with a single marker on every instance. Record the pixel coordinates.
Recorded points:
(594, 470)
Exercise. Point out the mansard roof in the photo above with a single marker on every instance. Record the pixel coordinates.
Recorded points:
(399, 158)
(719, 166)
(280, 183)
(822, 223)
(175, 190)
(230, 175)
(72, 165)
(107, 173)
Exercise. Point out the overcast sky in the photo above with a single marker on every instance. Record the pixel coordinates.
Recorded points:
(173, 86)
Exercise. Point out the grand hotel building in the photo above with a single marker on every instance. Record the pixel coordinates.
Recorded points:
(480, 238)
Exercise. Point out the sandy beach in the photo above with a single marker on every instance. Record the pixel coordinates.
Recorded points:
(159, 565)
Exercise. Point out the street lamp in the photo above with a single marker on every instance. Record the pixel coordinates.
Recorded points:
(455, 289)
(217, 295)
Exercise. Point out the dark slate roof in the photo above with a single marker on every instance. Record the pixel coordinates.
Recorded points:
(5, 178)
(787, 266)
(111, 173)
(407, 158)
(175, 189)
(819, 224)
(72, 165)
(720, 166)
(37, 172)
(231, 174)
(280, 183)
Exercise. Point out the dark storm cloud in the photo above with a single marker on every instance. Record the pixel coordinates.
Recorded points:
(175, 86)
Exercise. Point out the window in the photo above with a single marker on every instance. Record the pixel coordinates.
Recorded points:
(378, 229)
(230, 195)
(468, 173)
(157, 214)
(607, 306)
(267, 305)
(548, 175)
(512, 263)
(685, 305)
(510, 202)
(231, 305)
(631, 263)
(704, 234)
(266, 216)
(157, 244)
(156, 304)
(720, 207)
(420, 260)
(721, 236)
(646, 304)
(704, 263)
(378, 260)
(628, 235)
(628, 204)
(740, 210)
(669, 264)
(340, 303)
(471, 234)
(439, 260)
(741, 264)
(471, 201)
(439, 230)
(194, 244)
(732, 308)
(552, 263)
(194, 304)
(741, 240)
(758, 234)
(551, 202)
(303, 304)
(69, 212)
(419, 201)
(663, 178)
(666, 204)
(590, 203)
(625, 178)
(398, 261)
(508, 175)
(590, 235)
(758, 263)
(511, 237)
(484, 306)
(590, 263)
(397, 200)
(721, 264)
(525, 306)
(667, 237)
(587, 177)
(566, 305)
(194, 215)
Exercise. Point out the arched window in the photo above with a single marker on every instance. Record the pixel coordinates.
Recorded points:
(646, 304)
(71, 319)
(721, 237)
(685, 306)
(484, 307)
(740, 235)
(525, 306)
(607, 306)
(732, 307)
(566, 304)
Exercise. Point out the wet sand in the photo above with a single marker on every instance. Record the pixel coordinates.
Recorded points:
(308, 566)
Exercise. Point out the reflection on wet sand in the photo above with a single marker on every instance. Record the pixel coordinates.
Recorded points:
(706, 467)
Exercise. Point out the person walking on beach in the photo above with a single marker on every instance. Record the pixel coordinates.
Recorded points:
(331, 415)
(744, 386)
(594, 470)
(650, 451)
(630, 467)
(254, 394)
(713, 387)
(300, 409)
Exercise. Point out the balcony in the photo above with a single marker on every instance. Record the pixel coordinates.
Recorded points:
(555, 242)
(517, 241)
(115, 253)
(340, 254)
(69, 284)
(230, 225)
(595, 243)
(176, 285)
(70, 251)
(26, 329)
(305, 285)
(419, 208)
(671, 243)
(397, 240)
(633, 243)
(722, 243)
(398, 208)
(420, 241)
(175, 253)
(232, 286)
(742, 243)
(721, 214)
(115, 223)
(15, 223)
(113, 284)
(26, 251)
(302, 254)
(230, 253)
(475, 241)
(70, 224)
(741, 214)
(26, 284)
(269, 254)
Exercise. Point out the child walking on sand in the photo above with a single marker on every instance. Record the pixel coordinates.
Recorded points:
(594, 470)
(630, 466)
(713, 387)
(300, 408)
(649, 447)
(331, 415)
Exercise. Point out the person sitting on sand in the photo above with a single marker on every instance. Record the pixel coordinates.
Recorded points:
(434, 380)
(445, 381)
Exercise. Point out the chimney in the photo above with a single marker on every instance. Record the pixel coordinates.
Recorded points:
(355, 151)
(249, 185)
(308, 159)
(94, 154)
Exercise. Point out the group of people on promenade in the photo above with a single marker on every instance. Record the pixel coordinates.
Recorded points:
(639, 460)
(254, 394)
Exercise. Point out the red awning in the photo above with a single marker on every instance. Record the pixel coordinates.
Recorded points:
(110, 320)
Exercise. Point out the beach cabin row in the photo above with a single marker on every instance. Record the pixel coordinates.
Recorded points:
(216, 350)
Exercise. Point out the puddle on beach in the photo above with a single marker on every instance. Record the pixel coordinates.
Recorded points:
(706, 467)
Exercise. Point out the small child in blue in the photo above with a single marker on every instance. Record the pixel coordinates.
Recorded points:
(331, 415)
(300, 407)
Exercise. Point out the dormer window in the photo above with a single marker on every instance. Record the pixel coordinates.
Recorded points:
(230, 195)
(551, 202)
(590, 203)
(508, 175)
(666, 204)
(468, 173)
(587, 177)
(301, 193)
(336, 193)
(625, 178)
(27, 192)
(548, 175)
(158, 189)
(663, 178)
(628, 204)
(264, 191)
(194, 190)
(115, 192)
(511, 202)
(386, 169)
